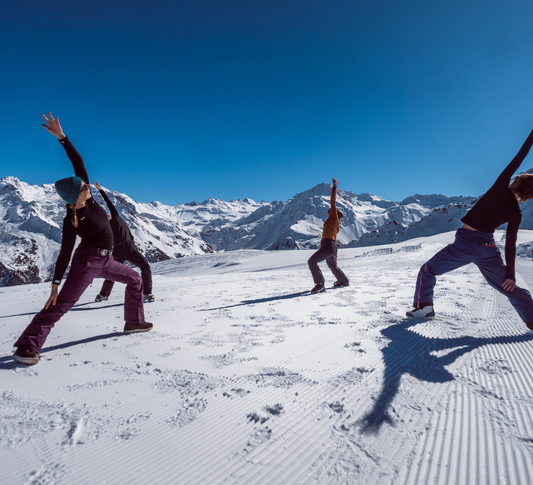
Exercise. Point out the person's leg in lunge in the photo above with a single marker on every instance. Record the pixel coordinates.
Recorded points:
(80, 276)
(133, 302)
(490, 263)
(342, 279)
(107, 286)
(137, 259)
(444, 261)
(320, 255)
(451, 257)
(323, 253)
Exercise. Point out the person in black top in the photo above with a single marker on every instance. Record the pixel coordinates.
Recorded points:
(474, 243)
(86, 219)
(124, 250)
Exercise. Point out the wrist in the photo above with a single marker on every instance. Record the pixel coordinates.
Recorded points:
(61, 136)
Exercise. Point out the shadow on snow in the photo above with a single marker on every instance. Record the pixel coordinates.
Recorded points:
(411, 353)
(75, 308)
(260, 300)
(8, 363)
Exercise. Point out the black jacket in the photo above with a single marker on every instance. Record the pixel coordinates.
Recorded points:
(93, 226)
(499, 205)
(121, 232)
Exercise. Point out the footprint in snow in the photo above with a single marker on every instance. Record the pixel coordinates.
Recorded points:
(266, 413)
(259, 436)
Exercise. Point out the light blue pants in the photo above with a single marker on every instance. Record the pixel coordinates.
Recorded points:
(471, 247)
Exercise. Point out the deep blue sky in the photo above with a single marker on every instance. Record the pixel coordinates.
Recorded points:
(182, 100)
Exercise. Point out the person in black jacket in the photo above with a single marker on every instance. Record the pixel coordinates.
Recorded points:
(474, 243)
(124, 250)
(86, 219)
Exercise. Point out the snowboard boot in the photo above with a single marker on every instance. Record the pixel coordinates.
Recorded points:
(339, 284)
(319, 288)
(26, 357)
(134, 327)
(100, 298)
(424, 312)
(149, 298)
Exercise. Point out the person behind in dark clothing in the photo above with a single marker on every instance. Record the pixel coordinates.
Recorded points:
(124, 250)
(92, 258)
(328, 247)
(474, 243)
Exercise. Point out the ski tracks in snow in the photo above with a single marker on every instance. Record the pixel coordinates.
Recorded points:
(456, 399)
(247, 380)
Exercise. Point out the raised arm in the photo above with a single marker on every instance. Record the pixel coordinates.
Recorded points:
(112, 208)
(334, 195)
(505, 177)
(54, 127)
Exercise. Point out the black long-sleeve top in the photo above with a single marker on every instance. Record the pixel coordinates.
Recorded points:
(93, 226)
(121, 232)
(499, 205)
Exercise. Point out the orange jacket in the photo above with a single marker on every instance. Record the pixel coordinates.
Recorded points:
(332, 224)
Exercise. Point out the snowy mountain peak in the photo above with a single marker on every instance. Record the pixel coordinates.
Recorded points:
(31, 218)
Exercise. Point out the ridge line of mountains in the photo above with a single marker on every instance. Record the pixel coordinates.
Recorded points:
(31, 218)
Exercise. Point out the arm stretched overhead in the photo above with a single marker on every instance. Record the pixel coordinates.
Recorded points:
(505, 177)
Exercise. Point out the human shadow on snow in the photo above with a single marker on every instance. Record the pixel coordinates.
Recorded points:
(8, 363)
(410, 353)
(259, 300)
(75, 308)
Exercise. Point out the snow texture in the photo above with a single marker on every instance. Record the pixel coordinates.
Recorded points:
(248, 379)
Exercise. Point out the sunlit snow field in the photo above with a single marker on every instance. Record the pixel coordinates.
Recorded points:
(247, 379)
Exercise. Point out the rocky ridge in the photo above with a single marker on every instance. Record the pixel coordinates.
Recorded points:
(31, 218)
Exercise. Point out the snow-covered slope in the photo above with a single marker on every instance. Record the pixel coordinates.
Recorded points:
(245, 379)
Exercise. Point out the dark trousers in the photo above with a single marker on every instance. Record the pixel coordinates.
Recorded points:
(84, 268)
(328, 252)
(472, 247)
(128, 252)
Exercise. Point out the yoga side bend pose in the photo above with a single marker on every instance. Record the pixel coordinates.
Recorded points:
(328, 247)
(124, 249)
(474, 243)
(92, 258)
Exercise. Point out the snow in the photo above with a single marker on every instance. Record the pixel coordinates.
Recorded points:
(245, 380)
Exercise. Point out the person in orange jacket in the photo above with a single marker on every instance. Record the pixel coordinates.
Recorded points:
(328, 247)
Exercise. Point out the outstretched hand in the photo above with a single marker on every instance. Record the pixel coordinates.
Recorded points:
(508, 285)
(335, 182)
(53, 126)
(97, 185)
(52, 300)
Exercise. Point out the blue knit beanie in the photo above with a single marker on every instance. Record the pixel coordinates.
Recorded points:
(69, 189)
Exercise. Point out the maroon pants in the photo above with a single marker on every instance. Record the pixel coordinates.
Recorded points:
(84, 268)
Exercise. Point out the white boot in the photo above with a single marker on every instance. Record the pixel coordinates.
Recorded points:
(426, 312)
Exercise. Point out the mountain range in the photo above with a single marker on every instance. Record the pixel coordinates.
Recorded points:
(31, 218)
